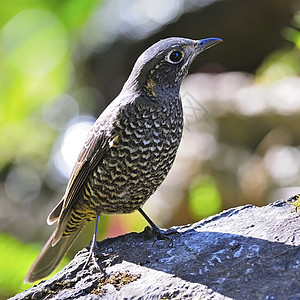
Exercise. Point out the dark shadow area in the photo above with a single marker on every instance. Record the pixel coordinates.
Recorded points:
(235, 266)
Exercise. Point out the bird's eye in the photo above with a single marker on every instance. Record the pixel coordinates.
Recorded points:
(175, 57)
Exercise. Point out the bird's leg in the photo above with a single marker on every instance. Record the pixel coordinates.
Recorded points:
(94, 251)
(158, 234)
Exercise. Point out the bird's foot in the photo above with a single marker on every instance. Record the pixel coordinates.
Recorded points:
(160, 234)
(93, 255)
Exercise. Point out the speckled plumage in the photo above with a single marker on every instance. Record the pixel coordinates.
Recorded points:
(142, 148)
(129, 150)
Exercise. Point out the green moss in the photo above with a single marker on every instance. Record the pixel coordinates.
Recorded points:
(295, 201)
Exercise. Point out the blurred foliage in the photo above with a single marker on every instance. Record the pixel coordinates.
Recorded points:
(280, 64)
(118, 224)
(37, 41)
(15, 261)
(204, 197)
(37, 44)
(285, 62)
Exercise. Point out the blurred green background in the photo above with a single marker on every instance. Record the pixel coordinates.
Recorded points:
(62, 62)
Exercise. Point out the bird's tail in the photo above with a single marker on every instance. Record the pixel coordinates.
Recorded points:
(50, 257)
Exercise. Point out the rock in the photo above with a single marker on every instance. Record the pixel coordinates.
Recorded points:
(246, 252)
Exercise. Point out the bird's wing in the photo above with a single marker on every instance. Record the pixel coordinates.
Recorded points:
(91, 154)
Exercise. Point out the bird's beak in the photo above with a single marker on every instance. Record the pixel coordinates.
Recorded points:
(206, 43)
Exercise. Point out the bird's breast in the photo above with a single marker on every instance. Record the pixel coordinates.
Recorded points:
(141, 154)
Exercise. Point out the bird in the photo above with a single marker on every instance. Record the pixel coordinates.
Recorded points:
(127, 153)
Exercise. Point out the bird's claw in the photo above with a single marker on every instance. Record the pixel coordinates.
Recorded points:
(93, 255)
(159, 234)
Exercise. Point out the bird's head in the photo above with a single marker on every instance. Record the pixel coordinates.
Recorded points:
(160, 69)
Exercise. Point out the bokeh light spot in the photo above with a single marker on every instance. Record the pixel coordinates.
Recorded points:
(58, 112)
(22, 184)
(204, 197)
(282, 163)
(71, 145)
